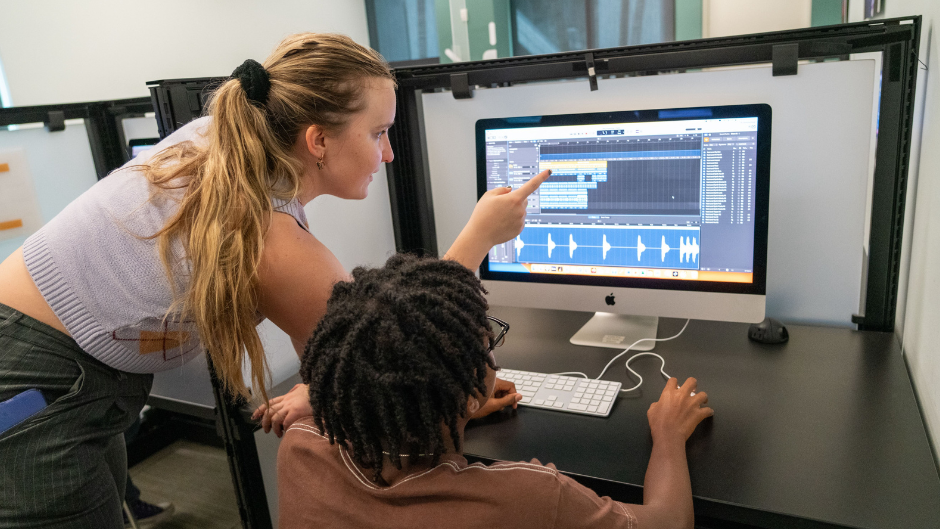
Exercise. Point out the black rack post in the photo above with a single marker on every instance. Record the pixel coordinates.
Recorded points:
(179, 101)
(892, 163)
(409, 184)
(102, 123)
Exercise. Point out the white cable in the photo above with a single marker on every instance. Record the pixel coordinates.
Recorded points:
(625, 351)
(640, 383)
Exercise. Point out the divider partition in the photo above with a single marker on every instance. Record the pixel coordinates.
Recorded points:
(412, 177)
(822, 123)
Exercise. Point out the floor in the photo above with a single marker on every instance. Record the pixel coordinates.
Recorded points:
(196, 479)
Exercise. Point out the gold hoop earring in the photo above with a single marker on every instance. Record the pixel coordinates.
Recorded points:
(320, 164)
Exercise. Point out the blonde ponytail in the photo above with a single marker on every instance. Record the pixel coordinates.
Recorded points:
(228, 183)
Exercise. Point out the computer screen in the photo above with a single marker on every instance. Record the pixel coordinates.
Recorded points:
(139, 145)
(660, 200)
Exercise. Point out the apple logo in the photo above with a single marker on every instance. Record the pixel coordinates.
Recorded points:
(610, 299)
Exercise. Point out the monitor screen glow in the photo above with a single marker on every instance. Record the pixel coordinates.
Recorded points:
(668, 201)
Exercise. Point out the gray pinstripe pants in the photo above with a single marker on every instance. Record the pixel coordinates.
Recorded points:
(66, 466)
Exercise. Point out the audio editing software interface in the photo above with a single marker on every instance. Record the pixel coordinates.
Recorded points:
(659, 200)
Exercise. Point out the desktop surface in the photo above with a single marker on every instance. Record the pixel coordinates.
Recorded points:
(823, 430)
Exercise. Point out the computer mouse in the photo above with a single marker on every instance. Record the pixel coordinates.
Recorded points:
(768, 331)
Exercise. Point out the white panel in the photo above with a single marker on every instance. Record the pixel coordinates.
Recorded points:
(283, 361)
(140, 128)
(819, 163)
(60, 164)
(358, 232)
(19, 207)
(187, 384)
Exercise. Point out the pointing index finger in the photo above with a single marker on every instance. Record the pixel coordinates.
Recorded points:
(527, 188)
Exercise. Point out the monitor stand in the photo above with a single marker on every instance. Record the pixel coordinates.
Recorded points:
(617, 331)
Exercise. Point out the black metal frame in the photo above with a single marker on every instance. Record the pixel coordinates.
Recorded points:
(897, 39)
(237, 430)
(179, 101)
(102, 122)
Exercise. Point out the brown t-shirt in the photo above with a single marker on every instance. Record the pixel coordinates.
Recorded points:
(320, 486)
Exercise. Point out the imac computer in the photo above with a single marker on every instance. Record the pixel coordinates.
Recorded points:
(647, 213)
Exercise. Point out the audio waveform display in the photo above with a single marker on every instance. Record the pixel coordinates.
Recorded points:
(676, 248)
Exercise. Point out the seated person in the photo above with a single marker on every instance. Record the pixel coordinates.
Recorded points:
(396, 368)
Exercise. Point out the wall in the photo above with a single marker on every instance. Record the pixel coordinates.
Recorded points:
(58, 51)
(918, 321)
(737, 17)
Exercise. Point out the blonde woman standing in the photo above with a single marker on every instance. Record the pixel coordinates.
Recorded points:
(184, 251)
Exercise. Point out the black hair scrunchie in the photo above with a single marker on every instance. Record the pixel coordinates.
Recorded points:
(255, 81)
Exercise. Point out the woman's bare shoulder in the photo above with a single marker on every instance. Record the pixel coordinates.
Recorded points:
(296, 277)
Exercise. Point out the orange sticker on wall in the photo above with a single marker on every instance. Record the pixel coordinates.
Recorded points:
(19, 206)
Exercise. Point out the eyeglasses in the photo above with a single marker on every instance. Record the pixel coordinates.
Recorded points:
(498, 336)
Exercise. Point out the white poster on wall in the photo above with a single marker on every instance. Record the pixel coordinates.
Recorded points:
(19, 207)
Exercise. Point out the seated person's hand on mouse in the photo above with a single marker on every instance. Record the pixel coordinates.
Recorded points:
(504, 395)
(679, 410)
(284, 410)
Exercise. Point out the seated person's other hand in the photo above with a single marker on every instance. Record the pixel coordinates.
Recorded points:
(674, 417)
(284, 410)
(504, 394)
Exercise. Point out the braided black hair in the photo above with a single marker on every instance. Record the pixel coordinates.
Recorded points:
(395, 357)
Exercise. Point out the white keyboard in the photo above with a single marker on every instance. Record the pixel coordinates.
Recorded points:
(563, 393)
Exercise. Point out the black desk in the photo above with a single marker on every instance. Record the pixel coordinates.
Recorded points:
(823, 431)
